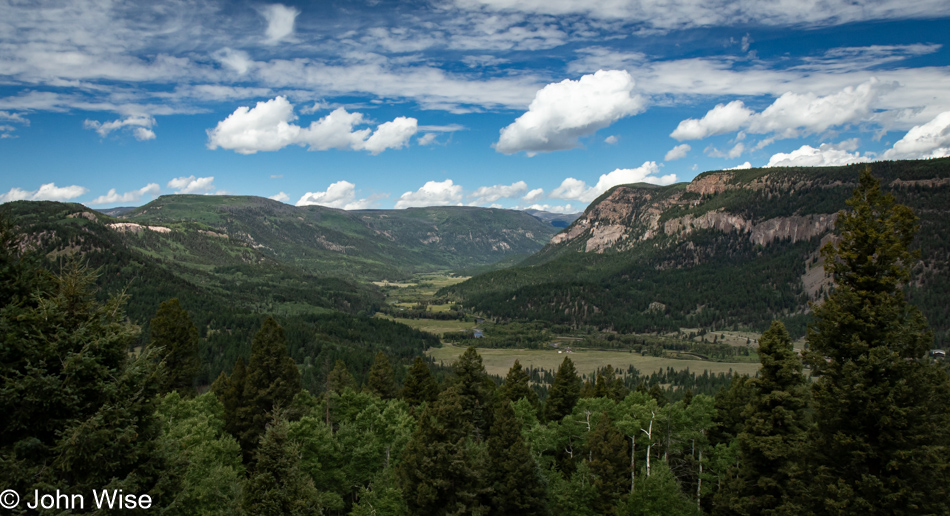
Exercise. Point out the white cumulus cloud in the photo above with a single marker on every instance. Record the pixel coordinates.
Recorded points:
(128, 197)
(341, 195)
(534, 195)
(563, 112)
(280, 21)
(576, 190)
(826, 155)
(140, 125)
(391, 135)
(192, 185)
(677, 152)
(790, 115)
(433, 193)
(489, 194)
(46, 192)
(930, 140)
(280, 197)
(268, 127)
(723, 118)
(745, 166)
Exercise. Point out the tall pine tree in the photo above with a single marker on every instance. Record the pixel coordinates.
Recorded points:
(477, 391)
(514, 478)
(442, 471)
(250, 396)
(770, 445)
(518, 385)
(382, 380)
(172, 332)
(564, 392)
(419, 386)
(882, 409)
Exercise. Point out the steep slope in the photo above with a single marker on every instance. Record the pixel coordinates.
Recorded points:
(731, 248)
(155, 263)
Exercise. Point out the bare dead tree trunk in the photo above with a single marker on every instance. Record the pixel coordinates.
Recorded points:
(699, 480)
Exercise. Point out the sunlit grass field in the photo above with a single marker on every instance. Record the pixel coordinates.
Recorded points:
(499, 361)
(432, 325)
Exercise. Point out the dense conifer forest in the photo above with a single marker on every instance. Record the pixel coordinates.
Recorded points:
(336, 413)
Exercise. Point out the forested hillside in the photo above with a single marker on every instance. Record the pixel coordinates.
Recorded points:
(230, 259)
(731, 249)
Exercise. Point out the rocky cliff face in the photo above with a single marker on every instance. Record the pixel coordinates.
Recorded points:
(629, 214)
(734, 248)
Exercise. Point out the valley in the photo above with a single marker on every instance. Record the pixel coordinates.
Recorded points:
(587, 362)
(698, 269)
(671, 318)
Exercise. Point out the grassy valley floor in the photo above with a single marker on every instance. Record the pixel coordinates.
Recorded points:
(499, 361)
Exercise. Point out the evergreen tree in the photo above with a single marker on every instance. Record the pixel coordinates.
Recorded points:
(607, 385)
(770, 444)
(516, 487)
(78, 411)
(730, 404)
(382, 380)
(657, 393)
(442, 471)
(564, 392)
(271, 381)
(230, 391)
(518, 385)
(419, 386)
(172, 332)
(340, 378)
(277, 485)
(477, 391)
(880, 444)
(609, 464)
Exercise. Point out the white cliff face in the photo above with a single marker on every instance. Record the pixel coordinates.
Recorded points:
(131, 227)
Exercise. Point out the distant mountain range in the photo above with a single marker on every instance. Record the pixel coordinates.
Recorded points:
(731, 249)
(265, 255)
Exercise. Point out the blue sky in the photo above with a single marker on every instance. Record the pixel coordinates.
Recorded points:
(392, 104)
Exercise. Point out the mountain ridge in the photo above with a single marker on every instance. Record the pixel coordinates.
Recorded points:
(689, 246)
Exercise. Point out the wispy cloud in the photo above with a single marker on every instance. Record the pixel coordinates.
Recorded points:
(140, 126)
(280, 22)
(680, 14)
(113, 197)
